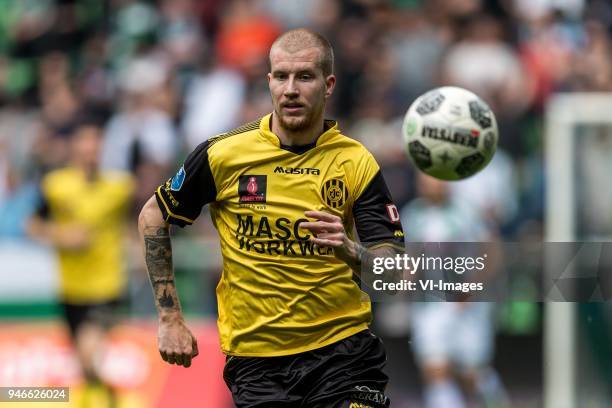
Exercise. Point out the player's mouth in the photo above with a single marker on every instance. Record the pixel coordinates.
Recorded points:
(293, 107)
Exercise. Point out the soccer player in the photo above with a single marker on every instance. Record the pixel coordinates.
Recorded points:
(284, 193)
(83, 215)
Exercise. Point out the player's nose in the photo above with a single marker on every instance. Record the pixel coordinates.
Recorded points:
(291, 88)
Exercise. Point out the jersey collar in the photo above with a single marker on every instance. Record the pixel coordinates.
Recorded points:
(331, 130)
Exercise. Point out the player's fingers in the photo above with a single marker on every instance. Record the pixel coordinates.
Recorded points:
(334, 236)
(331, 235)
(320, 215)
(171, 358)
(178, 358)
(163, 355)
(321, 226)
(326, 242)
(194, 348)
(187, 360)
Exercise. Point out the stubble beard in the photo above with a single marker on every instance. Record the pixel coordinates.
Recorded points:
(297, 124)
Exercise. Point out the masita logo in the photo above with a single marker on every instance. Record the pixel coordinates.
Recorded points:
(297, 170)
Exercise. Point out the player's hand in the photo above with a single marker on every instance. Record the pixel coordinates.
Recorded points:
(328, 231)
(177, 345)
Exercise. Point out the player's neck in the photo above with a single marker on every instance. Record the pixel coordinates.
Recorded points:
(301, 137)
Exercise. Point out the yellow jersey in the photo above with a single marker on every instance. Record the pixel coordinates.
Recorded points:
(279, 295)
(96, 273)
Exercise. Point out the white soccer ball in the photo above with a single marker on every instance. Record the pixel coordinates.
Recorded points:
(450, 133)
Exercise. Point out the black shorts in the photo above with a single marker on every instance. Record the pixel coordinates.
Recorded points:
(346, 374)
(101, 314)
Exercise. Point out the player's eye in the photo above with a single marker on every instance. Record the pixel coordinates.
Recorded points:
(280, 76)
(306, 77)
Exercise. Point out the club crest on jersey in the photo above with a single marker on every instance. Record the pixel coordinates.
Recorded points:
(334, 193)
(177, 180)
(252, 188)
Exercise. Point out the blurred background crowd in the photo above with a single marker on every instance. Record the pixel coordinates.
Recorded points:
(161, 76)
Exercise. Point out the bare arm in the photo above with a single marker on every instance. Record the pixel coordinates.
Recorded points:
(176, 343)
(360, 258)
(155, 234)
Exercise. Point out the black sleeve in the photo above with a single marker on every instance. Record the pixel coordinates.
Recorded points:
(182, 197)
(376, 217)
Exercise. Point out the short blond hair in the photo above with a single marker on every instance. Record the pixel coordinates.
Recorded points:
(301, 38)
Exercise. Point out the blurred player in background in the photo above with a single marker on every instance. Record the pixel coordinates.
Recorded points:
(451, 339)
(83, 215)
(292, 321)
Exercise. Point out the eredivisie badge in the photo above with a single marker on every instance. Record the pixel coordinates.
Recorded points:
(177, 180)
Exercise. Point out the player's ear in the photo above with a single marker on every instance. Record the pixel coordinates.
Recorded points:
(269, 77)
(330, 84)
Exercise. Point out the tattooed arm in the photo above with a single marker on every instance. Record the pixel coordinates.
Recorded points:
(177, 345)
(361, 259)
(328, 230)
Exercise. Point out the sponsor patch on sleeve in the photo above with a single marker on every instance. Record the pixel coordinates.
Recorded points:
(393, 213)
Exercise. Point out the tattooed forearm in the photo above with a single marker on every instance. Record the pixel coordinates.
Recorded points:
(158, 252)
(156, 282)
(166, 299)
(365, 259)
(158, 257)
